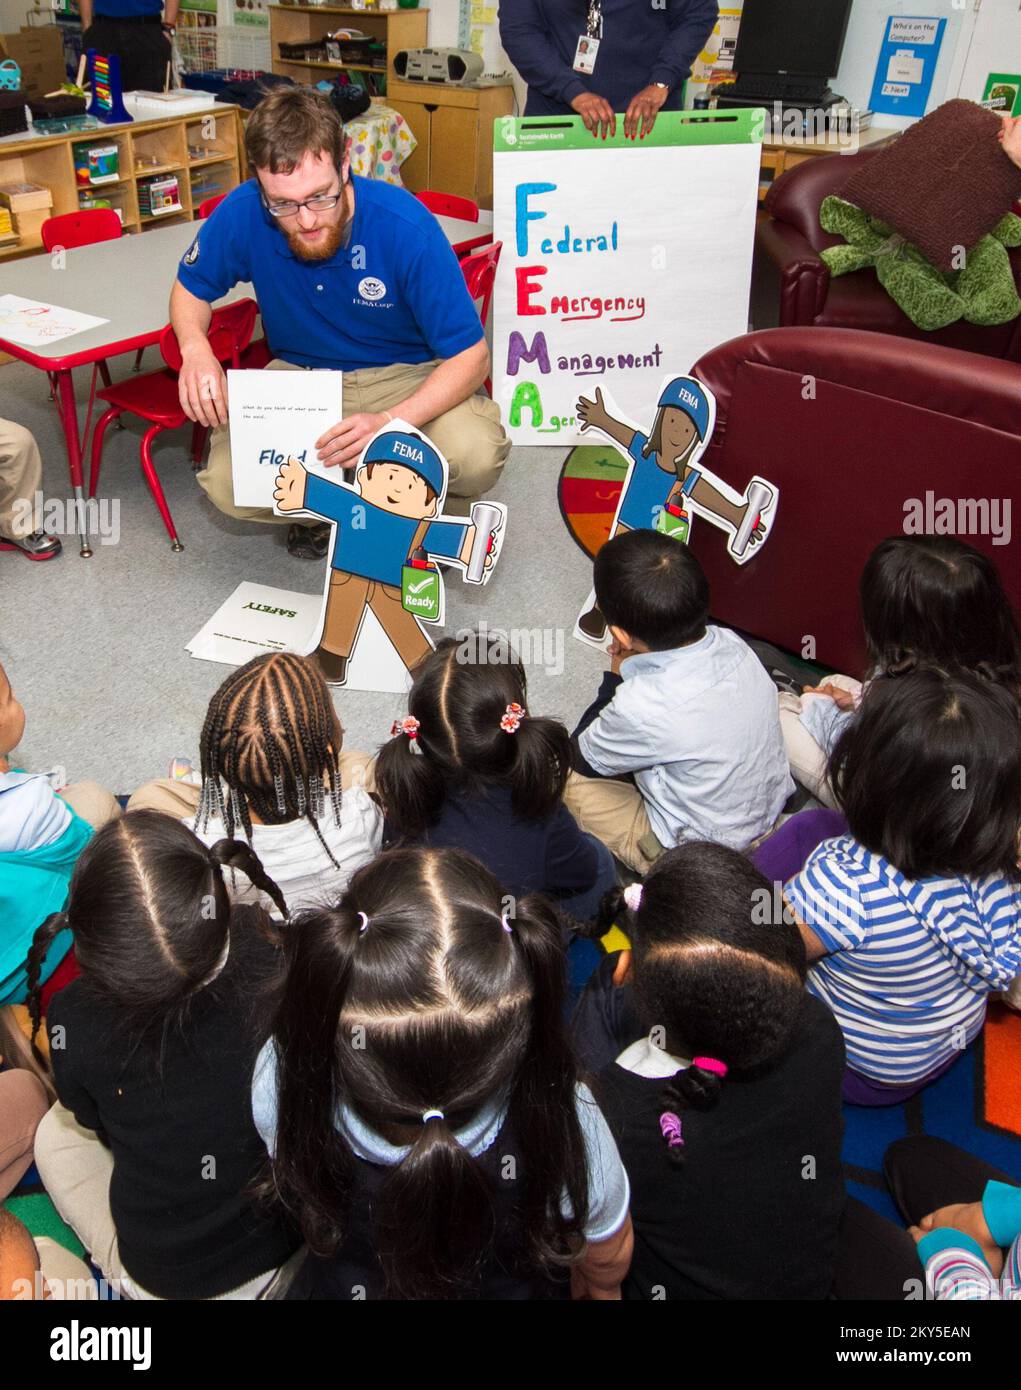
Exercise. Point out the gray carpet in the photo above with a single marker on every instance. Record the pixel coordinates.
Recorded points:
(95, 648)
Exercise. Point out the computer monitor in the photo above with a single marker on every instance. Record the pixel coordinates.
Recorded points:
(802, 38)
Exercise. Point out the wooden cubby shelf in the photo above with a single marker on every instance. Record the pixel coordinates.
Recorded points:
(49, 160)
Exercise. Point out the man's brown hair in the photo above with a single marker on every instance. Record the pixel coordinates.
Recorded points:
(288, 124)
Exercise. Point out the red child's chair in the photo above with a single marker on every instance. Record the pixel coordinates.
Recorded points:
(449, 205)
(85, 228)
(479, 270)
(210, 205)
(154, 397)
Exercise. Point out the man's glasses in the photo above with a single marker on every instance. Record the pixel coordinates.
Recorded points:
(322, 202)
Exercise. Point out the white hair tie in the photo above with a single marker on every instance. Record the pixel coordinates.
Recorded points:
(428, 1115)
(633, 896)
(363, 924)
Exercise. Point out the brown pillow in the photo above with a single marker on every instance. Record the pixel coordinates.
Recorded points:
(943, 184)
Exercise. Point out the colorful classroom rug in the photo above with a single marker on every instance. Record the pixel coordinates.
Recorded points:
(976, 1105)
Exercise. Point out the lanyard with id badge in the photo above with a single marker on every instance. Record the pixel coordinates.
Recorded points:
(588, 44)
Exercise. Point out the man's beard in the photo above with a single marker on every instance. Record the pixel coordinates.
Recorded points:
(330, 243)
(320, 250)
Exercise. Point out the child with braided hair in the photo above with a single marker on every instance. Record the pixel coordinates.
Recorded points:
(420, 1102)
(724, 1097)
(471, 768)
(274, 770)
(152, 1051)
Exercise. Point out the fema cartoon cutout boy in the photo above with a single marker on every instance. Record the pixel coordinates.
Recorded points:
(386, 525)
(683, 427)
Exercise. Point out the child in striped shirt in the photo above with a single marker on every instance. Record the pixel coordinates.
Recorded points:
(914, 918)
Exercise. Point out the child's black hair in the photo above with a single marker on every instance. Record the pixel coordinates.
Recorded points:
(416, 994)
(151, 918)
(653, 588)
(928, 773)
(460, 695)
(935, 599)
(271, 744)
(714, 967)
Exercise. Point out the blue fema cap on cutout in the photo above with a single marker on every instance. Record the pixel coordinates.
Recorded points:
(686, 394)
(410, 451)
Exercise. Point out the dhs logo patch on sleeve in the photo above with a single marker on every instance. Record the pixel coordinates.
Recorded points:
(192, 253)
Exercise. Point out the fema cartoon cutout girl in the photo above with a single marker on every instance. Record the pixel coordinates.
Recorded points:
(683, 427)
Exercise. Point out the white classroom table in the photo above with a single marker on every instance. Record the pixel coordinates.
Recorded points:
(128, 283)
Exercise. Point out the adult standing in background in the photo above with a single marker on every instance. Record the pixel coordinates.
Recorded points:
(138, 32)
(597, 57)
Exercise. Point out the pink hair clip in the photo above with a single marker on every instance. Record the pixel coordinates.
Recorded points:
(670, 1124)
(710, 1064)
(409, 726)
(512, 717)
(633, 896)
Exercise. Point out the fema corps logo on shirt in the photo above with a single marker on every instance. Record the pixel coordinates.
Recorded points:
(372, 289)
(192, 254)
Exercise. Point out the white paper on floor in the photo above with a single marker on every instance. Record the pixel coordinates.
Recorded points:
(258, 618)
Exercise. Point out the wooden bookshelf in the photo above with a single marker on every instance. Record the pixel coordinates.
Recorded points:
(170, 141)
(394, 29)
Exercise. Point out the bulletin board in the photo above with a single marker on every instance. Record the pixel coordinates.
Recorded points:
(621, 261)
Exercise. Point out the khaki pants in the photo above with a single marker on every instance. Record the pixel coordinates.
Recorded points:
(613, 812)
(23, 1103)
(181, 799)
(92, 802)
(21, 477)
(470, 436)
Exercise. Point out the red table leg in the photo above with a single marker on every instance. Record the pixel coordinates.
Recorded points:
(69, 419)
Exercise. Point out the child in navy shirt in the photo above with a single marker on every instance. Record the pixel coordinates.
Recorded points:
(471, 768)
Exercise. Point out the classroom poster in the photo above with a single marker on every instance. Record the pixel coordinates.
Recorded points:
(621, 260)
(715, 63)
(907, 65)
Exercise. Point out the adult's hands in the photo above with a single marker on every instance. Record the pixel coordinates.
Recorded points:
(340, 446)
(596, 112)
(202, 387)
(643, 108)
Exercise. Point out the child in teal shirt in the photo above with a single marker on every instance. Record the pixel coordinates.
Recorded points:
(41, 837)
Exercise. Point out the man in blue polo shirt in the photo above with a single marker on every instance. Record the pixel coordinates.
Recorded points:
(139, 32)
(351, 274)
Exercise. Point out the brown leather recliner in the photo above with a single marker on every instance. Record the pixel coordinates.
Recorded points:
(863, 439)
(792, 286)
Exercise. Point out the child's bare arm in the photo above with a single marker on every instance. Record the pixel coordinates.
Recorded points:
(601, 1270)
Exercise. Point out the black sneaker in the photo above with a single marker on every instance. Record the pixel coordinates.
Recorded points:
(309, 542)
(37, 546)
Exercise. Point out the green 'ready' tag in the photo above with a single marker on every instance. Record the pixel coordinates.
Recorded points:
(672, 521)
(420, 592)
